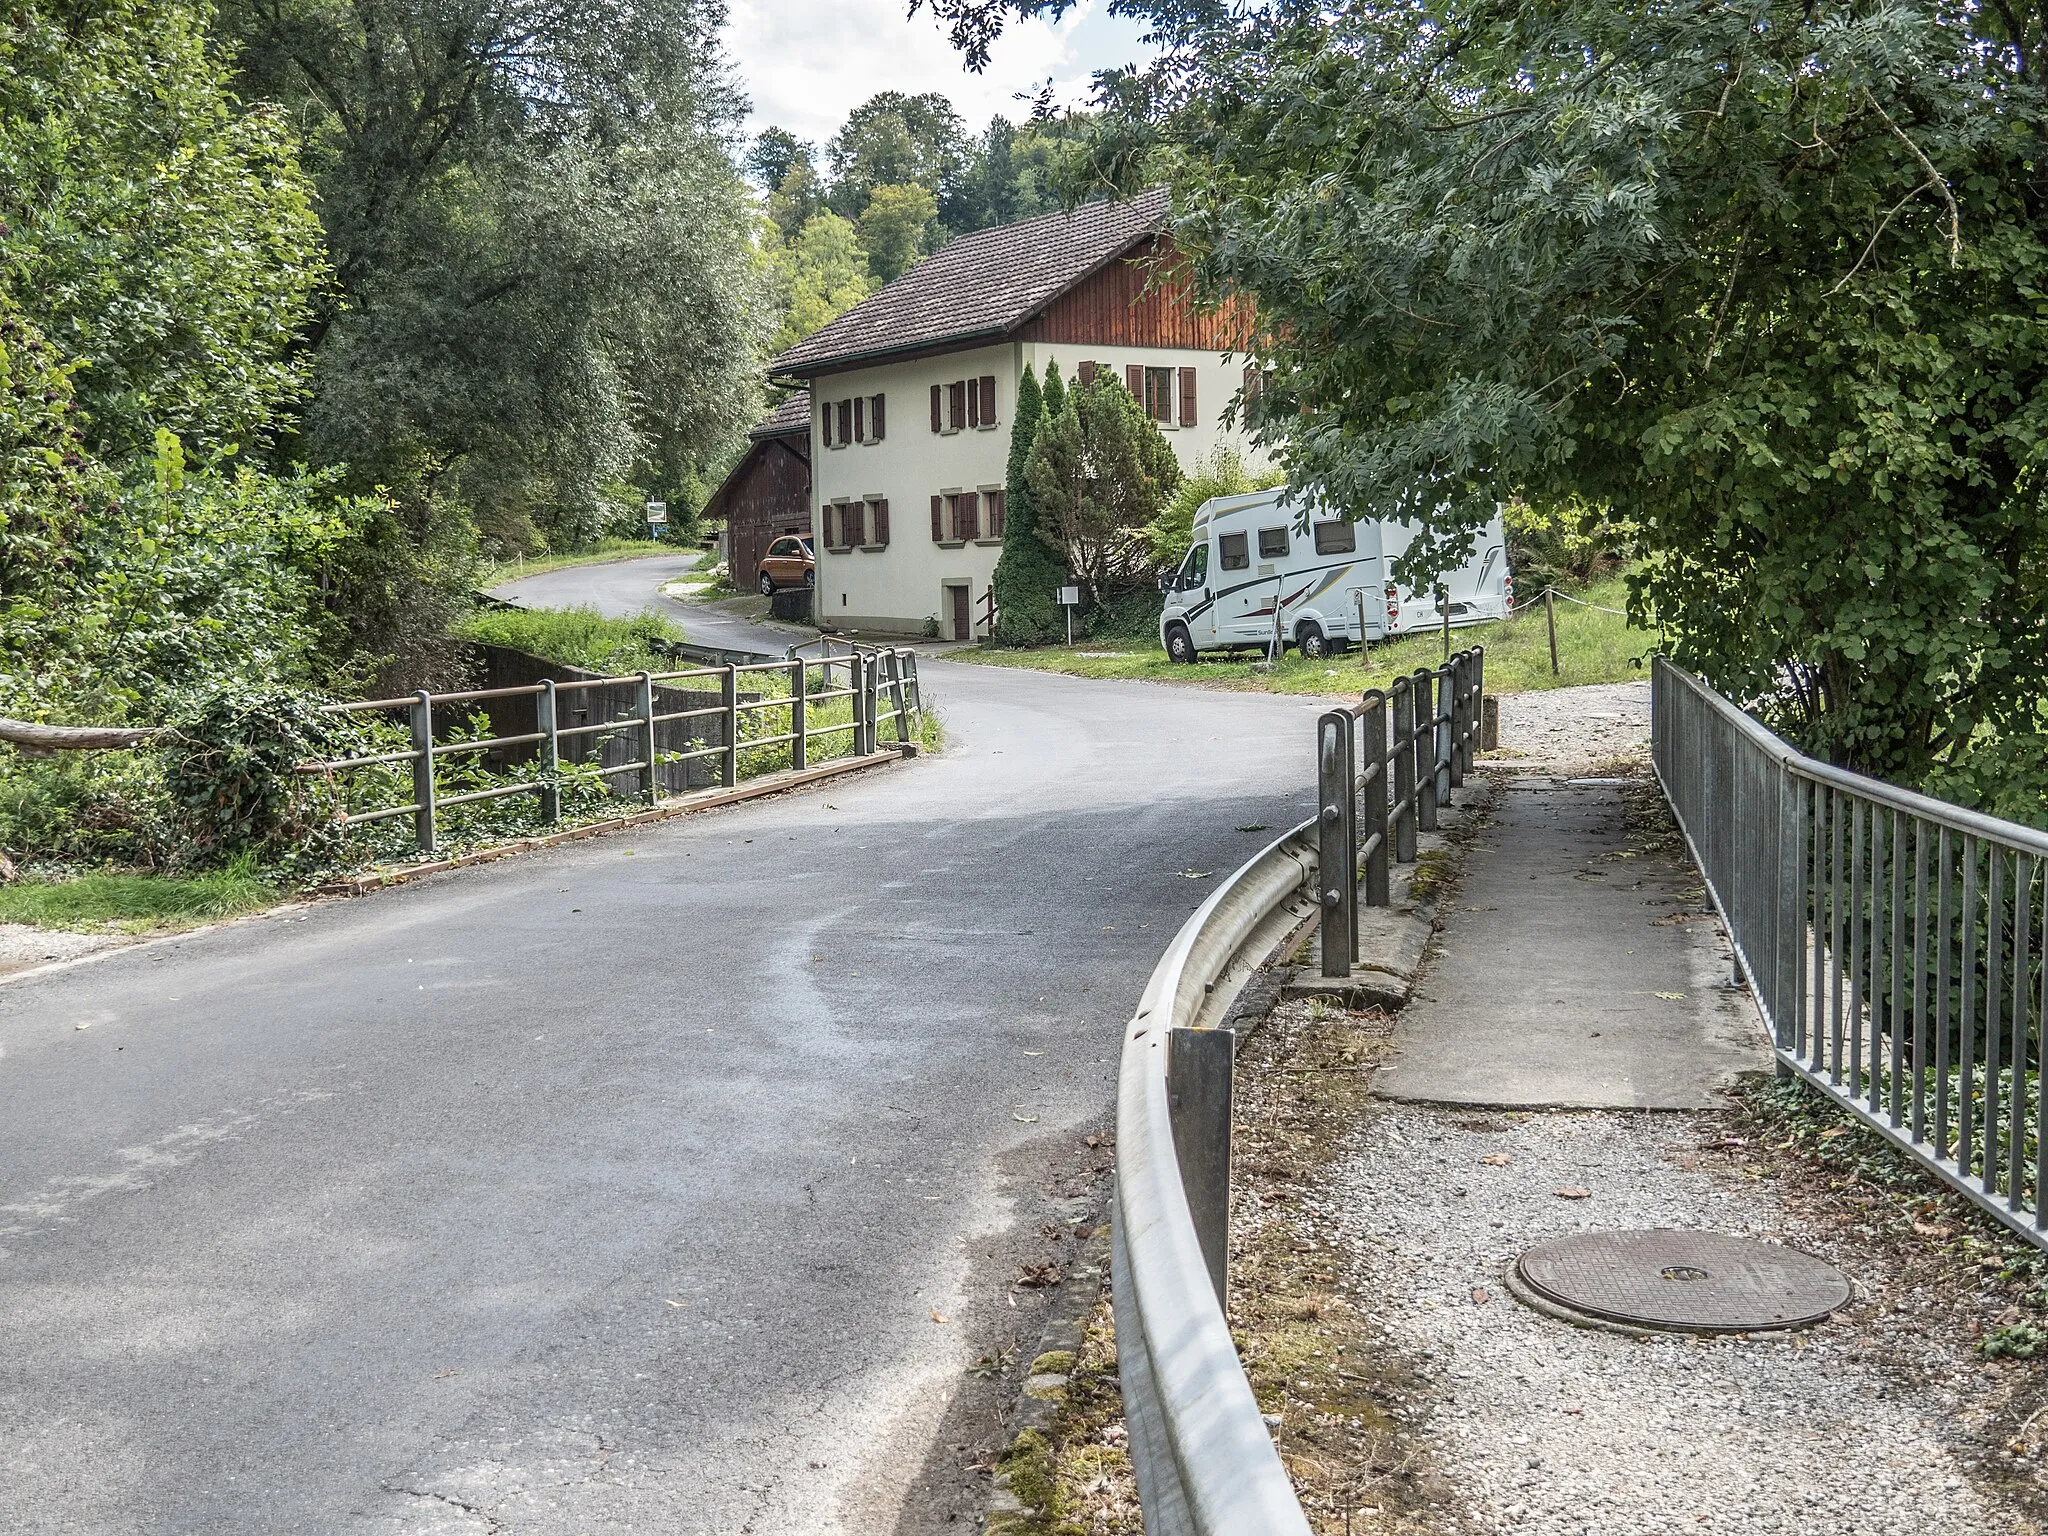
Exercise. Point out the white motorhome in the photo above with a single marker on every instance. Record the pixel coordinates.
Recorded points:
(1251, 577)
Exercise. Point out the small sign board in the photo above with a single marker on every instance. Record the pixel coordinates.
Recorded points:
(1069, 597)
(657, 512)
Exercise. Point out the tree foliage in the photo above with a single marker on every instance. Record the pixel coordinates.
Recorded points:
(157, 235)
(823, 273)
(892, 228)
(547, 297)
(1099, 470)
(1027, 572)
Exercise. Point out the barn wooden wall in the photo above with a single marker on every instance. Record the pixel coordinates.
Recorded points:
(769, 495)
(1140, 300)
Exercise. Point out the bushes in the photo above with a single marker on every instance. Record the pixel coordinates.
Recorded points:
(579, 637)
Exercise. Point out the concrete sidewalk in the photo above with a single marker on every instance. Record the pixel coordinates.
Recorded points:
(1579, 965)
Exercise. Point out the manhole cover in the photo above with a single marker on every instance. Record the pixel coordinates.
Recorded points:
(1701, 1282)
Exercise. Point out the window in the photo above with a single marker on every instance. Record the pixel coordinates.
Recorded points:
(785, 547)
(956, 405)
(845, 409)
(1272, 543)
(1159, 394)
(852, 520)
(1194, 570)
(996, 503)
(878, 523)
(967, 516)
(1336, 538)
(875, 418)
(1233, 552)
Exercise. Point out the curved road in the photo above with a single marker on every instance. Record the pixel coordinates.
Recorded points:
(665, 1182)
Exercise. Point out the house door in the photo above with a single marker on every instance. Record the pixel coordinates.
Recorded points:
(963, 618)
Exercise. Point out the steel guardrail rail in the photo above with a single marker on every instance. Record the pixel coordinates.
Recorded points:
(1894, 943)
(1205, 1464)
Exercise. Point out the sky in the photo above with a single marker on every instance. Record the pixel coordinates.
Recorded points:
(807, 66)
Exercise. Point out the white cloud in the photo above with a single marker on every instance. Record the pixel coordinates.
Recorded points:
(806, 66)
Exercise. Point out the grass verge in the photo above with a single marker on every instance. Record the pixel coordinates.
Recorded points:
(133, 903)
(579, 637)
(1593, 647)
(604, 552)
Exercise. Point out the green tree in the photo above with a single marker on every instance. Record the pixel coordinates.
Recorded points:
(796, 199)
(774, 153)
(892, 140)
(159, 236)
(1099, 471)
(1027, 573)
(547, 291)
(893, 227)
(824, 273)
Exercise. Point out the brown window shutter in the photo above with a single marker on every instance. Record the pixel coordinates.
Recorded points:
(956, 405)
(881, 508)
(860, 419)
(938, 515)
(855, 533)
(1134, 381)
(875, 419)
(973, 404)
(997, 506)
(846, 421)
(825, 516)
(937, 425)
(1188, 415)
(1085, 373)
(969, 519)
(825, 414)
(988, 399)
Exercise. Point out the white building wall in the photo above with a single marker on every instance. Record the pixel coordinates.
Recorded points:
(895, 590)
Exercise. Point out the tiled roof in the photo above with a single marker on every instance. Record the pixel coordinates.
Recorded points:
(983, 284)
(793, 415)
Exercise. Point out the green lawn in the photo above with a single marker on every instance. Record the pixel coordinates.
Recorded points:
(1593, 647)
(133, 903)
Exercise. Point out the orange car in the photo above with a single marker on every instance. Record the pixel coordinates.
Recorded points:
(790, 562)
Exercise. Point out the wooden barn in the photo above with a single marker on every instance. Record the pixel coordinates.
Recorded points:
(768, 492)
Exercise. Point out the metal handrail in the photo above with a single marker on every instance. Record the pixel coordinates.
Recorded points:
(1894, 943)
(871, 674)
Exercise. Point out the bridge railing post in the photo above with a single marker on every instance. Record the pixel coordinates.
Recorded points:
(1403, 754)
(1337, 847)
(1378, 833)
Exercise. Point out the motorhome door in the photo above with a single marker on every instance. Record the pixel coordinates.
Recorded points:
(1251, 562)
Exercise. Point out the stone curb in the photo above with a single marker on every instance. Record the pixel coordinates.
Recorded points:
(1043, 1395)
(668, 810)
(1394, 940)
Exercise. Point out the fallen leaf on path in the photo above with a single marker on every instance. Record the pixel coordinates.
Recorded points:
(667, 1303)
(1671, 997)
(1494, 1160)
(1481, 1295)
(1574, 1193)
(939, 1317)
(1034, 1276)
(1024, 1119)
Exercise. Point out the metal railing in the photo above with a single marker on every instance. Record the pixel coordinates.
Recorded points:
(1205, 1463)
(881, 687)
(1893, 943)
(1379, 782)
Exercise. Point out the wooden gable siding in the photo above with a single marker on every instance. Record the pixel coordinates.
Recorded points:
(767, 495)
(1138, 300)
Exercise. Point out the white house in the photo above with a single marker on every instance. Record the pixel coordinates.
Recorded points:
(913, 391)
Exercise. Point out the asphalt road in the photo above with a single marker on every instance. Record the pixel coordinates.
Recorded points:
(665, 1182)
(629, 587)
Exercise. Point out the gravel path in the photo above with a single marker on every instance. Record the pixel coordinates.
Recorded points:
(1553, 1430)
(1577, 729)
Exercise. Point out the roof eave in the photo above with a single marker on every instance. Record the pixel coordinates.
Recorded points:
(843, 362)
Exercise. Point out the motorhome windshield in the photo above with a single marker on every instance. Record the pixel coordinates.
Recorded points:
(1195, 569)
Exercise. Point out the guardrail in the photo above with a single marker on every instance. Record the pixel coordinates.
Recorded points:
(1205, 1463)
(1377, 787)
(882, 688)
(1893, 943)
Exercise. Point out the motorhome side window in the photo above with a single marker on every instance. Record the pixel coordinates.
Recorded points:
(1336, 538)
(1272, 543)
(1233, 552)
(1195, 569)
